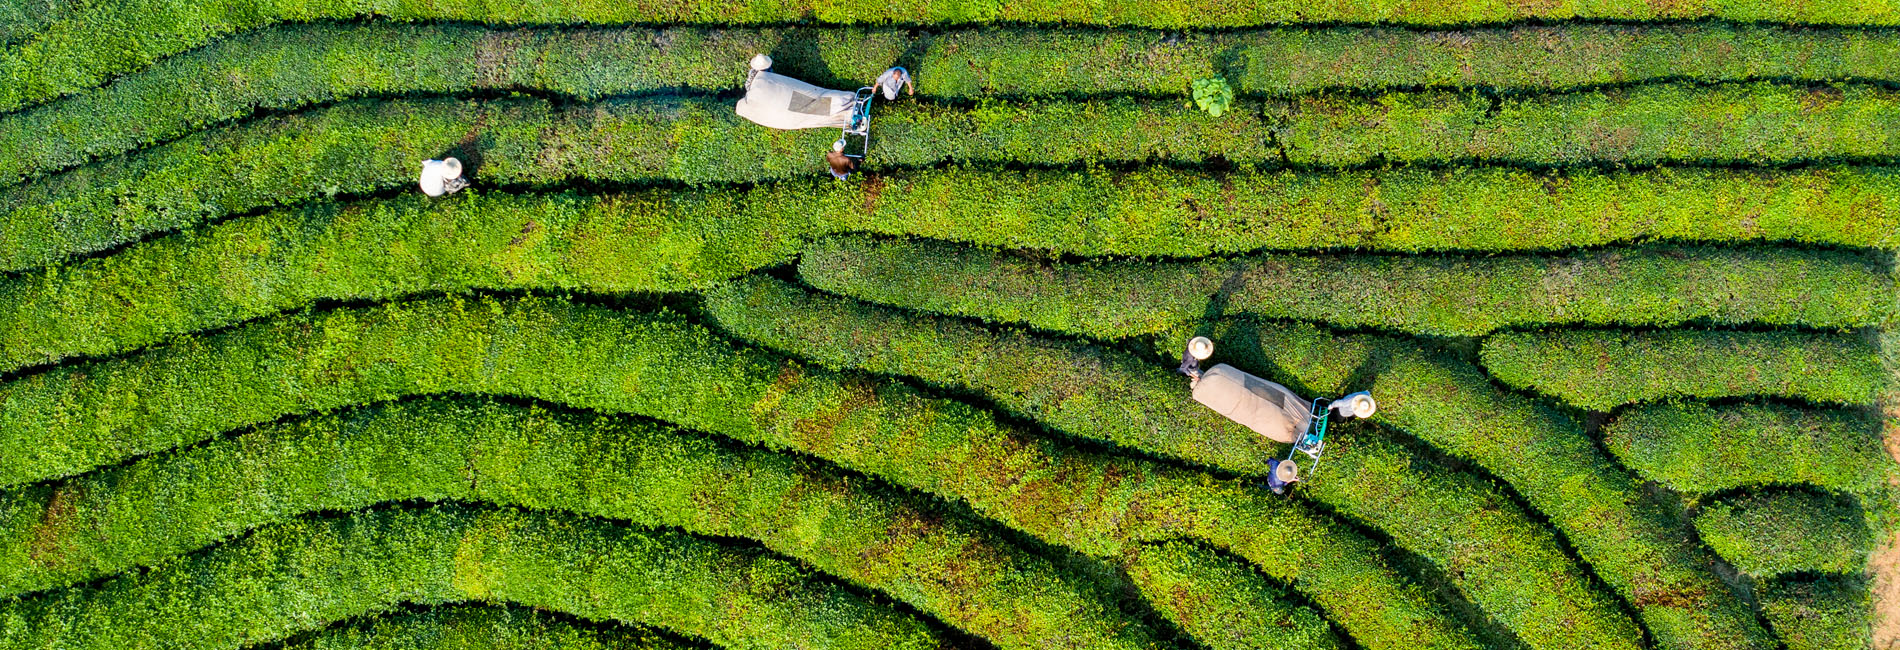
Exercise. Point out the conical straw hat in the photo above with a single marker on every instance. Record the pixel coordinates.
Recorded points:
(1286, 472)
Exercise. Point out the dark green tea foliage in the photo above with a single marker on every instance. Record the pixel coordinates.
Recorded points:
(382, 250)
(362, 147)
(1448, 296)
(477, 450)
(1162, 212)
(1824, 613)
(1696, 447)
(1777, 532)
(76, 417)
(1223, 604)
(478, 627)
(1618, 272)
(1635, 543)
(1503, 560)
(1075, 388)
(1603, 369)
(52, 53)
(1101, 213)
(297, 65)
(304, 574)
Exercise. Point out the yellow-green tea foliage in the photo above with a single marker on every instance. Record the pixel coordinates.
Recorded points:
(1776, 532)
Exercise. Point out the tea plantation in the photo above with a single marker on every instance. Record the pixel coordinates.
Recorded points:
(1620, 274)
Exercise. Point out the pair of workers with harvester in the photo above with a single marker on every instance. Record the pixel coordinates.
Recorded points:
(776, 101)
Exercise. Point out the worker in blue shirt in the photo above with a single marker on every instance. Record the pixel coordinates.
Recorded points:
(1280, 474)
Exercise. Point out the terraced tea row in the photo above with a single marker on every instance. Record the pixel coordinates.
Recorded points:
(664, 241)
(77, 417)
(1828, 613)
(1138, 213)
(466, 627)
(1442, 296)
(1507, 563)
(1222, 603)
(301, 575)
(1453, 405)
(70, 46)
(1743, 123)
(368, 147)
(1697, 448)
(380, 250)
(1631, 537)
(1604, 369)
(295, 66)
(160, 506)
(1778, 532)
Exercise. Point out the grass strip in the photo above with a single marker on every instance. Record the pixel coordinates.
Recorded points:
(1223, 604)
(372, 146)
(476, 627)
(1603, 369)
(294, 66)
(434, 450)
(1778, 532)
(1450, 296)
(77, 417)
(88, 44)
(1699, 448)
(1824, 613)
(301, 575)
(1633, 539)
(1507, 563)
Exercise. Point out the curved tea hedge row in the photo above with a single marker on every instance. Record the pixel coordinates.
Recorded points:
(84, 47)
(378, 250)
(1694, 447)
(1139, 213)
(157, 507)
(1825, 613)
(1077, 389)
(1635, 545)
(75, 417)
(1443, 296)
(1600, 370)
(1164, 212)
(1634, 542)
(301, 575)
(668, 241)
(365, 147)
(302, 65)
(1223, 604)
(468, 627)
(298, 65)
(1776, 532)
(1503, 560)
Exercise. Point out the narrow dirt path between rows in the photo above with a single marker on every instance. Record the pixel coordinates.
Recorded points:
(1885, 563)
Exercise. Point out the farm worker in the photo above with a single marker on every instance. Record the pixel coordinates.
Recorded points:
(1198, 348)
(441, 177)
(841, 165)
(893, 79)
(1281, 473)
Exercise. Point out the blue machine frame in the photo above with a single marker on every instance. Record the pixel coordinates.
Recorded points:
(860, 123)
(1313, 443)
